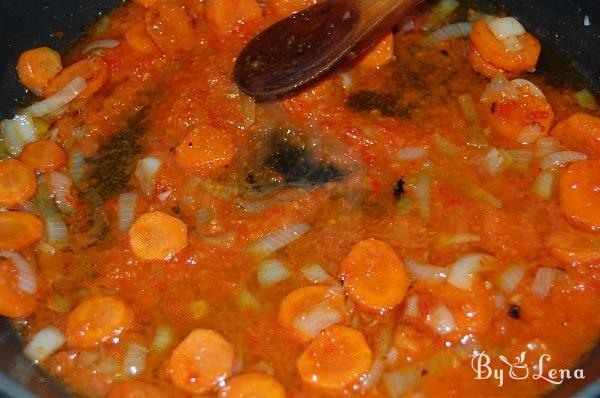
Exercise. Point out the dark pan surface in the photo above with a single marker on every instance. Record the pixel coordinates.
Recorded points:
(570, 57)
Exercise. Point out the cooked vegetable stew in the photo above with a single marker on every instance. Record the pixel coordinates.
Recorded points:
(164, 235)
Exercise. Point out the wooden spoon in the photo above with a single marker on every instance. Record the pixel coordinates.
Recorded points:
(307, 46)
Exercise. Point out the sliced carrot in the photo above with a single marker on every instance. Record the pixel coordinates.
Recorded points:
(91, 69)
(304, 300)
(374, 276)
(285, 8)
(580, 132)
(335, 359)
(96, 320)
(146, 3)
(157, 236)
(138, 38)
(493, 51)
(201, 361)
(134, 389)
(253, 385)
(171, 27)
(17, 183)
(14, 303)
(37, 67)
(380, 54)
(508, 118)
(579, 195)
(226, 15)
(43, 156)
(482, 67)
(18, 230)
(576, 254)
(205, 149)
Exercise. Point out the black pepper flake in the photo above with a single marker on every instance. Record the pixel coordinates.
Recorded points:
(444, 52)
(399, 188)
(514, 311)
(190, 144)
(250, 179)
(493, 107)
(176, 209)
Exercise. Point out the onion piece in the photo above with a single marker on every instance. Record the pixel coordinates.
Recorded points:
(134, 361)
(586, 100)
(76, 166)
(425, 272)
(506, 27)
(60, 187)
(561, 158)
(412, 306)
(496, 161)
(520, 159)
(279, 238)
(45, 343)
(126, 204)
(512, 44)
(499, 89)
(17, 133)
(468, 107)
(100, 44)
(27, 281)
(145, 171)
(543, 281)
(531, 88)
(248, 110)
(445, 146)
(448, 32)
(246, 301)
(271, 272)
(55, 102)
(316, 274)
(411, 153)
(530, 134)
(441, 320)
(511, 277)
(399, 382)
(545, 146)
(439, 13)
(545, 184)
(316, 320)
(56, 229)
(464, 269)
(422, 192)
(163, 338)
(456, 239)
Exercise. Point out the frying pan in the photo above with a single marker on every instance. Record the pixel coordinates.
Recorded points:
(568, 29)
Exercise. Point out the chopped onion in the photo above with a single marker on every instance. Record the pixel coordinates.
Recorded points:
(544, 184)
(280, 238)
(412, 306)
(439, 13)
(203, 216)
(411, 153)
(56, 229)
(445, 146)
(561, 158)
(76, 166)
(496, 161)
(543, 281)
(246, 301)
(18, 132)
(45, 343)
(316, 274)
(499, 89)
(545, 146)
(511, 277)
(271, 272)
(520, 159)
(529, 86)
(55, 102)
(26, 128)
(370, 380)
(448, 32)
(135, 359)
(457, 239)
(316, 320)
(100, 44)
(27, 281)
(463, 270)
(530, 133)
(127, 203)
(506, 27)
(60, 187)
(512, 44)
(586, 100)
(399, 382)
(499, 301)
(441, 320)
(346, 80)
(425, 272)
(146, 171)
(163, 338)
(422, 192)
(164, 195)
(248, 110)
(468, 107)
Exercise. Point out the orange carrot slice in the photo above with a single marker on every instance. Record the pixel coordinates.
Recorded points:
(18, 230)
(492, 50)
(14, 303)
(134, 389)
(579, 195)
(43, 156)
(205, 149)
(302, 301)
(96, 320)
(226, 15)
(157, 236)
(580, 132)
(253, 385)
(380, 54)
(171, 27)
(482, 67)
(138, 38)
(201, 361)
(91, 69)
(37, 67)
(335, 359)
(17, 183)
(374, 276)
